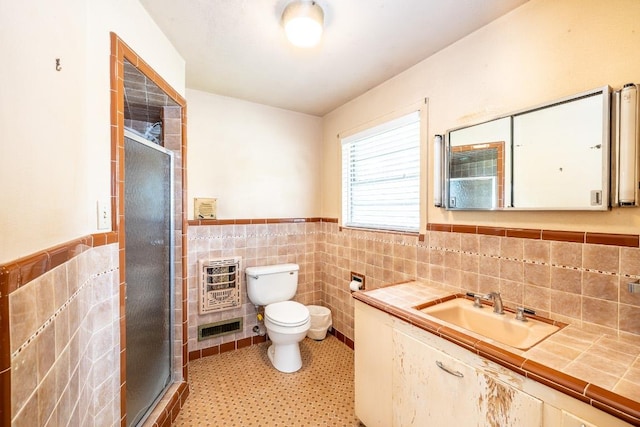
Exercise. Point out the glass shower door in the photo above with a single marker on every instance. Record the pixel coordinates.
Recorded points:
(149, 274)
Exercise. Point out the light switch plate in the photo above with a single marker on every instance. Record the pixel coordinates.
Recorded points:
(104, 214)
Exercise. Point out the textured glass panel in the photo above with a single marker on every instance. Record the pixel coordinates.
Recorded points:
(148, 275)
(473, 193)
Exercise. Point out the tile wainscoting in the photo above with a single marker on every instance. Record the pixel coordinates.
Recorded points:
(285, 241)
(64, 344)
(561, 275)
(576, 277)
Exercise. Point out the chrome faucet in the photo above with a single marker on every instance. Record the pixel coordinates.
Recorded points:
(497, 302)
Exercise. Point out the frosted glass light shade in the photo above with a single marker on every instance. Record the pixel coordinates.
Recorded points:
(303, 21)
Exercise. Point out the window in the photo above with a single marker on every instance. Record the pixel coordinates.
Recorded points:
(381, 176)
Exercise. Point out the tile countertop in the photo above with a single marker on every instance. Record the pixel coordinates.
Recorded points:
(601, 370)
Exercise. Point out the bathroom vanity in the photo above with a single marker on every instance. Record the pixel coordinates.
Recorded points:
(411, 370)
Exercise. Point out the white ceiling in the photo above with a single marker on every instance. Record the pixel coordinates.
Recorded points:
(237, 48)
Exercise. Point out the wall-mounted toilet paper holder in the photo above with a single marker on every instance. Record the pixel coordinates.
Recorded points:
(357, 282)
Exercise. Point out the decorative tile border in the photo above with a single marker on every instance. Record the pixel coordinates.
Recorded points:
(22, 271)
(626, 240)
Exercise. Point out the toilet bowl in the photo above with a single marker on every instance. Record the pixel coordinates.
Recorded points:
(287, 323)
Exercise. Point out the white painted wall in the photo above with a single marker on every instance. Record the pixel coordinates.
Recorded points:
(55, 145)
(544, 50)
(55, 148)
(258, 161)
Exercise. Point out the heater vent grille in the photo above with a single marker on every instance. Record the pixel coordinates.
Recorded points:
(212, 330)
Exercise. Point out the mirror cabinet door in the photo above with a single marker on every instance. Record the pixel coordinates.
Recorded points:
(560, 147)
(478, 167)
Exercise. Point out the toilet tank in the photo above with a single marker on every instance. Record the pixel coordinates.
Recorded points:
(271, 283)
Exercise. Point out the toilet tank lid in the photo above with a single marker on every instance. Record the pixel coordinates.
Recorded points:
(271, 269)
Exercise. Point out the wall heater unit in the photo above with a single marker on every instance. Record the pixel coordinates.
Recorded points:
(219, 287)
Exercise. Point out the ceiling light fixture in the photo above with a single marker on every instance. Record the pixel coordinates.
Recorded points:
(303, 21)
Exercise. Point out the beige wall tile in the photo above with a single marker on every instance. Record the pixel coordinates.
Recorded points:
(600, 312)
(452, 260)
(537, 250)
(537, 274)
(489, 266)
(512, 248)
(537, 298)
(512, 293)
(489, 245)
(565, 253)
(24, 377)
(566, 280)
(488, 284)
(567, 304)
(469, 243)
(602, 286)
(602, 258)
(630, 261)
(511, 270)
(22, 314)
(469, 262)
(630, 318)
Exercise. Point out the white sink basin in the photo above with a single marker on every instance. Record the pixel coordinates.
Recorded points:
(503, 328)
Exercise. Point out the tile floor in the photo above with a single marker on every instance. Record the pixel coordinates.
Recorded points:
(241, 388)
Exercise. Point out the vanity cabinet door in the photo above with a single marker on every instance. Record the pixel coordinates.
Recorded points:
(373, 357)
(431, 388)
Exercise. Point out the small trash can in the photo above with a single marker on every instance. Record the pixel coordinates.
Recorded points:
(320, 322)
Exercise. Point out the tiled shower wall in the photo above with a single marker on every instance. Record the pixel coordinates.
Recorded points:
(581, 283)
(257, 244)
(65, 356)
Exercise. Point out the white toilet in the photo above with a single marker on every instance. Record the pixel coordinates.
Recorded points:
(287, 322)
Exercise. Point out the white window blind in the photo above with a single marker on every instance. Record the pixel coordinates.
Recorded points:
(381, 176)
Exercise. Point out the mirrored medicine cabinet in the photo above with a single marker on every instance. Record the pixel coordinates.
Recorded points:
(551, 157)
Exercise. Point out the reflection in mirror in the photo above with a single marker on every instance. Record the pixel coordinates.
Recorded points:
(477, 176)
(477, 166)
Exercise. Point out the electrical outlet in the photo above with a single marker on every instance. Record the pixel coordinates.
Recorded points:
(104, 214)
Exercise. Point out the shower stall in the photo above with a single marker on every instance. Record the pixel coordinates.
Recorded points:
(149, 255)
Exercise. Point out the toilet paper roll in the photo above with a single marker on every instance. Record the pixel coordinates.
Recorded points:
(354, 285)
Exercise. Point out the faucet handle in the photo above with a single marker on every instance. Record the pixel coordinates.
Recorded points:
(477, 299)
(521, 311)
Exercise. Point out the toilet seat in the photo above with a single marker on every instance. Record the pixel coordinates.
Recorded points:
(287, 313)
